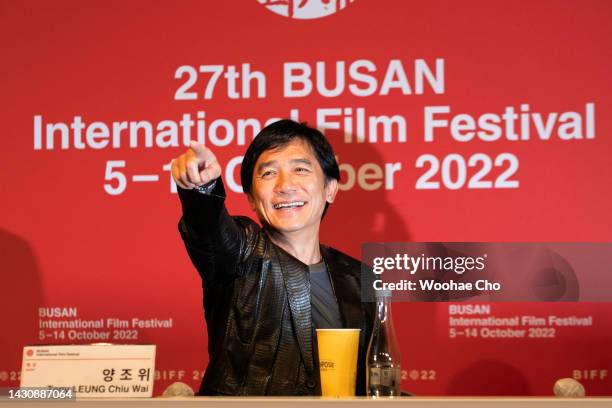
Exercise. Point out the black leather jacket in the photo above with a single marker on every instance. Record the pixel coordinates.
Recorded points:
(257, 303)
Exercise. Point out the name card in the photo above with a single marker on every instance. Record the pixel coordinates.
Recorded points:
(96, 370)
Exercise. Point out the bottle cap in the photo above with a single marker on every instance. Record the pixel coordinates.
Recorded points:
(380, 294)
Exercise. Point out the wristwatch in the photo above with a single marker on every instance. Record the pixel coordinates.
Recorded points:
(206, 188)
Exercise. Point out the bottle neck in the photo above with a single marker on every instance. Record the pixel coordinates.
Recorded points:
(383, 309)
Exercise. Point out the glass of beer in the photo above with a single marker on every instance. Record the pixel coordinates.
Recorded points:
(338, 349)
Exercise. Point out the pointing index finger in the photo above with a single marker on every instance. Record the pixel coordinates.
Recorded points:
(197, 148)
(202, 153)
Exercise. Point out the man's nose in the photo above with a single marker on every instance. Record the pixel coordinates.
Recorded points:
(285, 183)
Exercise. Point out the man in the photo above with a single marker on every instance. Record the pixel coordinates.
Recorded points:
(267, 288)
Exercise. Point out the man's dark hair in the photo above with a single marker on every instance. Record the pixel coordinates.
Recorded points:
(281, 133)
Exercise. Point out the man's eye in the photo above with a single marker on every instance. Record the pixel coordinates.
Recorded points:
(302, 170)
(267, 173)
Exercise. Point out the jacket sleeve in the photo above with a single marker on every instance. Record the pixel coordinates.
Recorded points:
(214, 240)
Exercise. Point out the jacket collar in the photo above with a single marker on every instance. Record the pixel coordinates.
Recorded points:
(296, 277)
(297, 285)
(345, 283)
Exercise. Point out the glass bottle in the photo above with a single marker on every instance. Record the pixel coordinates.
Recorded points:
(383, 374)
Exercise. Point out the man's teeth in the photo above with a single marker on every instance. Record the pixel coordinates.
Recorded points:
(289, 205)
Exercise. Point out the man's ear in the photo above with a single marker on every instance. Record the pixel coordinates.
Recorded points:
(331, 189)
(251, 201)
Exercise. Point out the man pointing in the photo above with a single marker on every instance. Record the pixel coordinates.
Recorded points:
(266, 288)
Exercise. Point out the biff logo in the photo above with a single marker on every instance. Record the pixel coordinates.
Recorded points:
(305, 9)
(327, 365)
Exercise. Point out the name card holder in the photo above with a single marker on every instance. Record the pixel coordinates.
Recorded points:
(95, 370)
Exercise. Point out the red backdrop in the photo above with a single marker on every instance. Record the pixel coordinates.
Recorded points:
(67, 241)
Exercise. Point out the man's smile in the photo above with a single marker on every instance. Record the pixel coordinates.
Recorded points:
(288, 204)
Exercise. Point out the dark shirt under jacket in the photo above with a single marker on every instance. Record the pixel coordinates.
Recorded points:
(257, 303)
(325, 313)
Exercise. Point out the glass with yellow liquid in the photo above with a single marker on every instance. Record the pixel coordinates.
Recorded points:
(338, 351)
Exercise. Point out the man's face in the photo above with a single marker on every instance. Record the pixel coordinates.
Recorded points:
(289, 191)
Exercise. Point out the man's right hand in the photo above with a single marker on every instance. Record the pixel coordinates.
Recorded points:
(196, 167)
